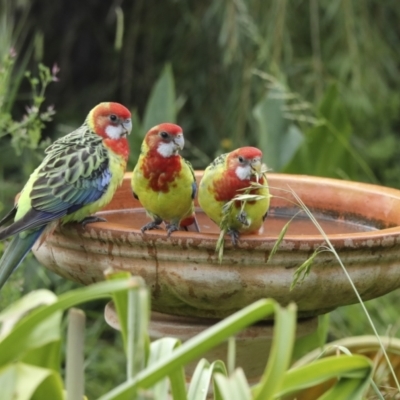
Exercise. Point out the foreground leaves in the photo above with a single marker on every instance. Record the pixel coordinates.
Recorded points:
(30, 340)
(30, 347)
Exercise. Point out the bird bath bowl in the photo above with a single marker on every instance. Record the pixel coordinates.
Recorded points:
(186, 279)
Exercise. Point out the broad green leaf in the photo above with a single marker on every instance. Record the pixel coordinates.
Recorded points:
(234, 387)
(277, 138)
(280, 353)
(292, 141)
(271, 126)
(17, 310)
(332, 147)
(135, 141)
(19, 381)
(161, 106)
(346, 389)
(39, 340)
(359, 367)
(327, 149)
(8, 381)
(20, 338)
(201, 379)
(46, 356)
(194, 348)
(158, 350)
(318, 338)
(178, 384)
(120, 301)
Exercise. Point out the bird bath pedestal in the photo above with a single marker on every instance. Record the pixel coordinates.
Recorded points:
(193, 289)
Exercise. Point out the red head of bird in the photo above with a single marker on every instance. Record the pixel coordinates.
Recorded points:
(112, 121)
(245, 162)
(165, 139)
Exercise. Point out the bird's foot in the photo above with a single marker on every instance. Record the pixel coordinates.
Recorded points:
(242, 218)
(172, 228)
(151, 225)
(91, 219)
(234, 236)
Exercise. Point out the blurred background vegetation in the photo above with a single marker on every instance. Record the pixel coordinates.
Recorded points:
(314, 83)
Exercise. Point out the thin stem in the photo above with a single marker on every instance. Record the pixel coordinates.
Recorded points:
(131, 336)
(74, 375)
(316, 47)
(231, 355)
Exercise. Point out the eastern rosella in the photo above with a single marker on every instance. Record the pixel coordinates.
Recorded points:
(78, 176)
(163, 181)
(227, 176)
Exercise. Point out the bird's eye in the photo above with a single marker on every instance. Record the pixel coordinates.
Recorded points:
(241, 159)
(113, 118)
(164, 135)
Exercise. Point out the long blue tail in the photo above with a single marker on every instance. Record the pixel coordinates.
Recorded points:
(15, 252)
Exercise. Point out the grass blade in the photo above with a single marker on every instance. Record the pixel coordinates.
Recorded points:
(359, 367)
(201, 379)
(280, 354)
(234, 387)
(72, 298)
(194, 348)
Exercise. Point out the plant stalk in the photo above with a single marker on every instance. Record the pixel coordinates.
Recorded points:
(74, 375)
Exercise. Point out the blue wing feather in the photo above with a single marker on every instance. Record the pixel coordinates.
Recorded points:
(74, 174)
(194, 190)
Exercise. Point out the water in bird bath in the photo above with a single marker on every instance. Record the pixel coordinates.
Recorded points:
(300, 225)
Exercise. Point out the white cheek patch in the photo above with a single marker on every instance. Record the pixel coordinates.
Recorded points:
(114, 132)
(166, 149)
(243, 172)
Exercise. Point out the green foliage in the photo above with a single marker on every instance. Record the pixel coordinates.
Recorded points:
(318, 94)
(161, 107)
(30, 339)
(355, 372)
(27, 133)
(22, 137)
(30, 342)
(233, 387)
(202, 377)
(217, 48)
(279, 138)
(218, 51)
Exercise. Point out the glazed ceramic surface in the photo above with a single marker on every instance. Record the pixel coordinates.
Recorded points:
(185, 277)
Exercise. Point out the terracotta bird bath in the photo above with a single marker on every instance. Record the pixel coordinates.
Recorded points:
(186, 278)
(190, 289)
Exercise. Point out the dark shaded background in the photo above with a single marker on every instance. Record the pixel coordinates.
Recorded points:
(214, 48)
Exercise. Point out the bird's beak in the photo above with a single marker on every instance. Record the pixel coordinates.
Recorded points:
(256, 166)
(127, 126)
(179, 141)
